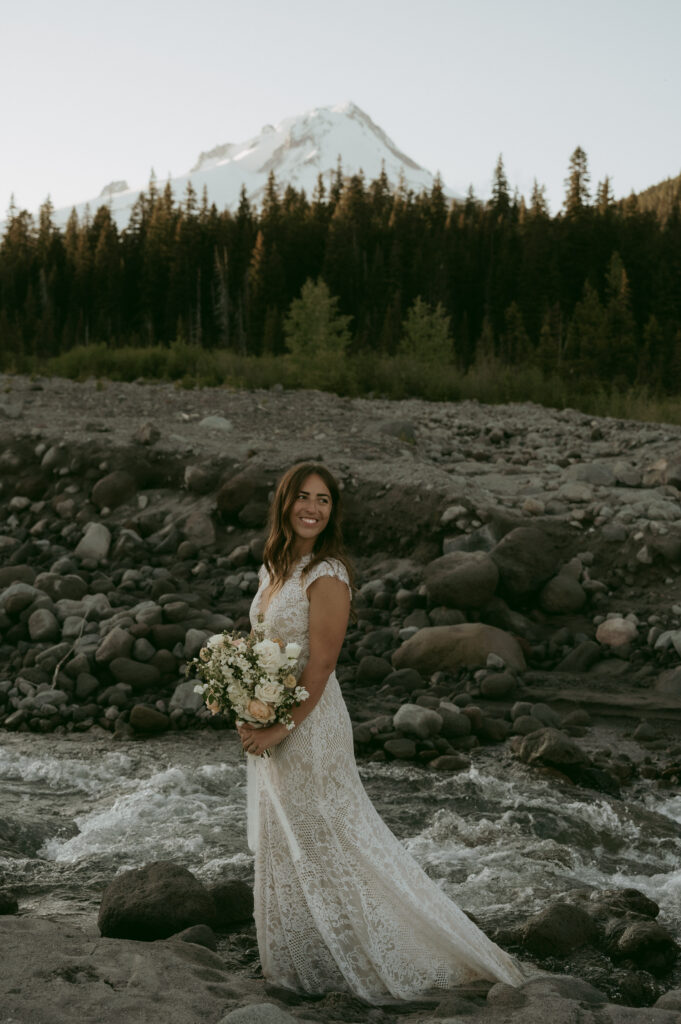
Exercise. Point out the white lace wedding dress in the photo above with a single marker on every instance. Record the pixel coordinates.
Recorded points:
(340, 905)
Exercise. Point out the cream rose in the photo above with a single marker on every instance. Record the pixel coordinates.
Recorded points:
(269, 690)
(261, 711)
(269, 656)
(216, 640)
(292, 651)
(290, 681)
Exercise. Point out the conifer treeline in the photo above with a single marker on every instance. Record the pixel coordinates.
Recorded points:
(594, 291)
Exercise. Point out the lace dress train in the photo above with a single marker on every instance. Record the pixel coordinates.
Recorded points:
(340, 905)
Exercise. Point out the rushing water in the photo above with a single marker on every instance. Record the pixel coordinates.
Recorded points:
(501, 839)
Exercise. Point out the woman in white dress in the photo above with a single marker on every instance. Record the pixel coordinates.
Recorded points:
(340, 905)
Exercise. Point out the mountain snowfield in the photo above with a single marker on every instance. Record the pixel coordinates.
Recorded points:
(298, 150)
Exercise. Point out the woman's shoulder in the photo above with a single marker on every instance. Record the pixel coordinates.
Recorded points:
(333, 567)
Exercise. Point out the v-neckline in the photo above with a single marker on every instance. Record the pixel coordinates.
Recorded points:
(263, 612)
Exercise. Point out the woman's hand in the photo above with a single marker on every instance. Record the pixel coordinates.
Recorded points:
(256, 741)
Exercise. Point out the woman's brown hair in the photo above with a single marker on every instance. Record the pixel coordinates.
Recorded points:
(278, 555)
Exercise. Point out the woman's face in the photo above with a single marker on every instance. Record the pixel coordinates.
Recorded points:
(310, 511)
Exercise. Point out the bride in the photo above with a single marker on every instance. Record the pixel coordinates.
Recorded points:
(340, 905)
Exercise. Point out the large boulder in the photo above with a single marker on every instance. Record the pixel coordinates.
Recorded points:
(153, 902)
(449, 648)
(526, 558)
(461, 579)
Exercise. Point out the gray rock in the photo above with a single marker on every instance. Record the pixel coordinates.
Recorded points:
(454, 724)
(17, 596)
(372, 670)
(69, 587)
(233, 901)
(95, 542)
(600, 474)
(562, 595)
(669, 1001)
(141, 677)
(498, 684)
(194, 641)
(199, 935)
(584, 655)
(199, 479)
(551, 747)
(417, 721)
(146, 719)
(43, 626)
(199, 529)
(545, 714)
(185, 699)
(558, 929)
(450, 763)
(406, 679)
(142, 650)
(147, 433)
(116, 644)
(217, 423)
(462, 579)
(523, 725)
(405, 430)
(526, 558)
(402, 749)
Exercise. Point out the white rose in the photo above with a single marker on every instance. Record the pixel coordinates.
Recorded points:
(269, 691)
(292, 651)
(200, 688)
(269, 656)
(216, 640)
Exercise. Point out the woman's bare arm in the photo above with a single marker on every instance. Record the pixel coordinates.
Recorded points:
(329, 612)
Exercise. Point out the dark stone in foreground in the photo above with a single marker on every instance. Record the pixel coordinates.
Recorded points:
(8, 902)
(233, 901)
(558, 929)
(154, 902)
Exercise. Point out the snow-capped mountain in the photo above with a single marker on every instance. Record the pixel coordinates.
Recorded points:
(298, 149)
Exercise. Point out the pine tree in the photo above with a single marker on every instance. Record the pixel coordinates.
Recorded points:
(426, 334)
(501, 199)
(577, 197)
(313, 326)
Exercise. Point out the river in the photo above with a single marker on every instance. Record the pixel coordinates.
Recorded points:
(500, 838)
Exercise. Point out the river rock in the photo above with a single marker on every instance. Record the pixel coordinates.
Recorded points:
(185, 699)
(116, 644)
(146, 719)
(462, 579)
(616, 631)
(17, 596)
(526, 558)
(233, 900)
(95, 542)
(558, 929)
(405, 679)
(450, 763)
(449, 648)
(199, 529)
(113, 489)
(454, 723)
(43, 626)
(402, 749)
(69, 587)
(550, 746)
(497, 685)
(198, 935)
(154, 902)
(372, 669)
(417, 721)
(562, 595)
(138, 675)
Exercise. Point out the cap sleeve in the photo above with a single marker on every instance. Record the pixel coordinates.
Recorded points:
(329, 567)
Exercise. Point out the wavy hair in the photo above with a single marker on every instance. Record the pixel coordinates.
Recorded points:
(278, 556)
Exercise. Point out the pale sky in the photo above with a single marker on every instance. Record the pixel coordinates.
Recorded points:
(95, 92)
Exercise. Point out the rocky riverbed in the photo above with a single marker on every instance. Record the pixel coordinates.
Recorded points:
(518, 596)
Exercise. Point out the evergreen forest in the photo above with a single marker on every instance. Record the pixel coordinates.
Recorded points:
(359, 271)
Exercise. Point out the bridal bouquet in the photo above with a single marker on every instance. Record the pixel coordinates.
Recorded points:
(250, 676)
